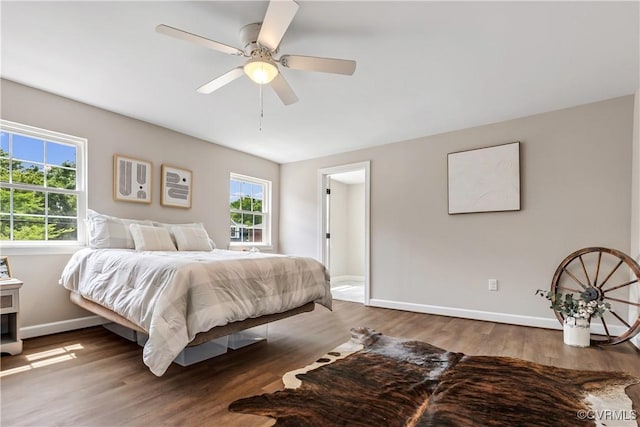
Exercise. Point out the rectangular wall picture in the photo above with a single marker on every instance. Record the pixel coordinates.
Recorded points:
(5, 270)
(484, 179)
(176, 187)
(131, 179)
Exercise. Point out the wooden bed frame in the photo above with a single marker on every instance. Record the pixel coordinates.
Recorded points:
(200, 338)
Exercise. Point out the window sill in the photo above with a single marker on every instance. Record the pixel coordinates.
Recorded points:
(40, 249)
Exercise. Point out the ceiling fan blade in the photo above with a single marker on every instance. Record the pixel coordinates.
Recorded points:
(194, 38)
(314, 63)
(224, 79)
(283, 90)
(276, 21)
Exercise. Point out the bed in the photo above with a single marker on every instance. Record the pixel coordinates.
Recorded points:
(178, 297)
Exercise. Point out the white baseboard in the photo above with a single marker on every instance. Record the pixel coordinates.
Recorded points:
(512, 319)
(338, 279)
(62, 326)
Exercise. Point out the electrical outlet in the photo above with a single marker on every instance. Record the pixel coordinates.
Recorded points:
(493, 284)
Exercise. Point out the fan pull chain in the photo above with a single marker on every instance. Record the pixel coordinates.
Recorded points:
(261, 108)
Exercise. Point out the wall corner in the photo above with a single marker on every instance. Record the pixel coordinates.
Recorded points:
(635, 207)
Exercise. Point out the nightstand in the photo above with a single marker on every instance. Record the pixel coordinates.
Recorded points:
(10, 341)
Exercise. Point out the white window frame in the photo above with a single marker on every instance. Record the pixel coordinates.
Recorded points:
(266, 212)
(22, 247)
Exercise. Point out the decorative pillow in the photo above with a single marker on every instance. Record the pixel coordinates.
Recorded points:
(190, 238)
(110, 232)
(168, 225)
(196, 225)
(150, 238)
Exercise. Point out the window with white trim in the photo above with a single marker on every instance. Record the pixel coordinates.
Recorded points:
(249, 206)
(42, 186)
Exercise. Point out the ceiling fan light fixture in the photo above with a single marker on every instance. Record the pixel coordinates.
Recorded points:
(260, 70)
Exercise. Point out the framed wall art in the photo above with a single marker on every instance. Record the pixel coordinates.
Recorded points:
(484, 179)
(5, 269)
(131, 179)
(177, 187)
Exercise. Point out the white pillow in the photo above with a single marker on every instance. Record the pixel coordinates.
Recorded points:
(150, 238)
(196, 225)
(191, 238)
(110, 232)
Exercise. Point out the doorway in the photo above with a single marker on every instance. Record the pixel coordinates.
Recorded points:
(345, 230)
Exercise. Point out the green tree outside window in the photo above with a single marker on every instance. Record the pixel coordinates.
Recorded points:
(39, 207)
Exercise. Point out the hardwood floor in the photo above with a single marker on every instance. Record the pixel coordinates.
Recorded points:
(92, 377)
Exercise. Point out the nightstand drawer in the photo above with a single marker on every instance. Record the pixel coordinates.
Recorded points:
(9, 301)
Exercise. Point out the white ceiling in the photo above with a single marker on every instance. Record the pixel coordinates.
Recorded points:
(423, 67)
(351, 177)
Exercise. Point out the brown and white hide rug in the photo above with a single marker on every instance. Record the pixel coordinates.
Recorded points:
(375, 380)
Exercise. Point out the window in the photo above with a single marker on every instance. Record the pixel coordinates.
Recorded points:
(42, 186)
(249, 203)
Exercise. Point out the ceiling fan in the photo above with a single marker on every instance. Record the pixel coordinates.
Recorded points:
(260, 43)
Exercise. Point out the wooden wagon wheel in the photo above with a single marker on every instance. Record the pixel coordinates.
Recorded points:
(600, 273)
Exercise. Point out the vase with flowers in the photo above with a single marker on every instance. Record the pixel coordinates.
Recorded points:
(577, 312)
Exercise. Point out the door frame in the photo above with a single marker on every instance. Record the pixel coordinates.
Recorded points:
(323, 175)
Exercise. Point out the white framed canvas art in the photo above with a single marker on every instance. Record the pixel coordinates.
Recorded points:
(484, 179)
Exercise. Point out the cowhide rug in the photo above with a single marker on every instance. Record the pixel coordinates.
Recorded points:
(375, 380)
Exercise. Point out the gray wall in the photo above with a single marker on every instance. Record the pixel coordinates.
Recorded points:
(347, 229)
(576, 192)
(355, 230)
(338, 226)
(576, 184)
(635, 208)
(43, 300)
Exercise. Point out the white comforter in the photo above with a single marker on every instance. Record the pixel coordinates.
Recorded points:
(175, 295)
